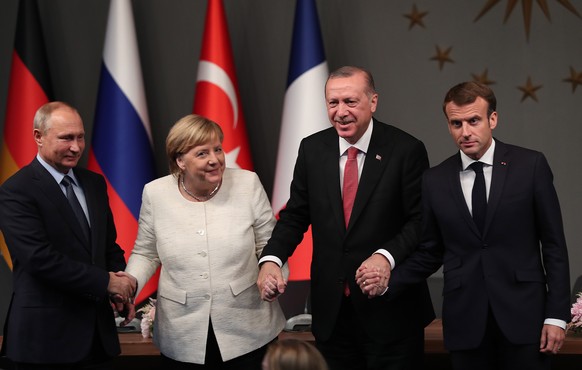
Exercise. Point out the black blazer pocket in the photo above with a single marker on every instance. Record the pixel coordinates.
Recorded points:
(530, 276)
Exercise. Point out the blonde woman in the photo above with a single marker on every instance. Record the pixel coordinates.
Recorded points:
(205, 225)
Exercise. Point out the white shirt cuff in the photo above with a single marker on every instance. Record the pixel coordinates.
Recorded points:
(555, 322)
(275, 259)
(388, 256)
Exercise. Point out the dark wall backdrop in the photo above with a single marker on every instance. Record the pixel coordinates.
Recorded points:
(380, 35)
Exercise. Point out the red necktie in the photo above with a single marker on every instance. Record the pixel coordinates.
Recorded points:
(350, 182)
(349, 191)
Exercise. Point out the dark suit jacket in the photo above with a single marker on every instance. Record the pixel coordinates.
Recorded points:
(60, 300)
(386, 214)
(504, 267)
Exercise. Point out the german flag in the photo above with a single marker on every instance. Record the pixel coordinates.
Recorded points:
(28, 89)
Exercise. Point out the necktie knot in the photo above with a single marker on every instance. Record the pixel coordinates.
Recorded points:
(67, 181)
(477, 167)
(352, 152)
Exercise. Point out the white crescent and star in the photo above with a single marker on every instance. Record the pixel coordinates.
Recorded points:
(214, 74)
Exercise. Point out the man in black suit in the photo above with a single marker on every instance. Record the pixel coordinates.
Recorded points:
(355, 328)
(60, 315)
(506, 287)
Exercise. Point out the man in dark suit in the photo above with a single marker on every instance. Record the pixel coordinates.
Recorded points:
(60, 315)
(506, 288)
(355, 328)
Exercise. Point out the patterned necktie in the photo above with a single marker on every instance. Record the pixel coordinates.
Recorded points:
(479, 196)
(350, 183)
(74, 202)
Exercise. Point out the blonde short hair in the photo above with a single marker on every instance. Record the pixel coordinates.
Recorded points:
(188, 132)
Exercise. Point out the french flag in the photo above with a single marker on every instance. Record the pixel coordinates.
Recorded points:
(122, 145)
(304, 113)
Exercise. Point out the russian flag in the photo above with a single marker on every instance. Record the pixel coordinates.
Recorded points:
(122, 142)
(304, 113)
(29, 88)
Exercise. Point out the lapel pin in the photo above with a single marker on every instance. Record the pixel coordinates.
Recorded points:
(504, 163)
(378, 157)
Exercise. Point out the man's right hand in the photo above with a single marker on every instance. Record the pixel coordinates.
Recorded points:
(270, 281)
(121, 287)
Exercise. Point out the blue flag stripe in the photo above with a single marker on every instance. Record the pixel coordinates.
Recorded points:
(120, 143)
(307, 45)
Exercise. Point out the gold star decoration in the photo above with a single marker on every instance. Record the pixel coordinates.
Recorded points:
(526, 6)
(415, 17)
(529, 90)
(482, 78)
(575, 79)
(442, 56)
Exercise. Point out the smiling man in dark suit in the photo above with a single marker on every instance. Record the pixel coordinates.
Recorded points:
(355, 328)
(506, 295)
(60, 316)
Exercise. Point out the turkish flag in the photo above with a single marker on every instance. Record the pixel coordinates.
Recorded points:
(217, 96)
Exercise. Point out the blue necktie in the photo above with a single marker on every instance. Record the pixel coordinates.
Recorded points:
(77, 209)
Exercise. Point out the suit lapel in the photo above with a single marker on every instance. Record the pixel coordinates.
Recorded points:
(500, 168)
(93, 207)
(47, 185)
(330, 166)
(377, 159)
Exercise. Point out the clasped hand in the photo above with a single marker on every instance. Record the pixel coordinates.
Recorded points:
(122, 288)
(270, 281)
(373, 275)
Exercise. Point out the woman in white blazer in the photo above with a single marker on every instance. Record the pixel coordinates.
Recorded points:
(206, 226)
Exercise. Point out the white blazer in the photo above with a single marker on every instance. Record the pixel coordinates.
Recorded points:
(208, 253)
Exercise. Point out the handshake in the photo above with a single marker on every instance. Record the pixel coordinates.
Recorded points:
(122, 289)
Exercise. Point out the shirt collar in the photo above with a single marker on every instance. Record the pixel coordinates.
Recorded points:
(487, 158)
(361, 144)
(58, 176)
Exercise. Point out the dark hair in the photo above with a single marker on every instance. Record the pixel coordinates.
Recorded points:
(467, 92)
(349, 71)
